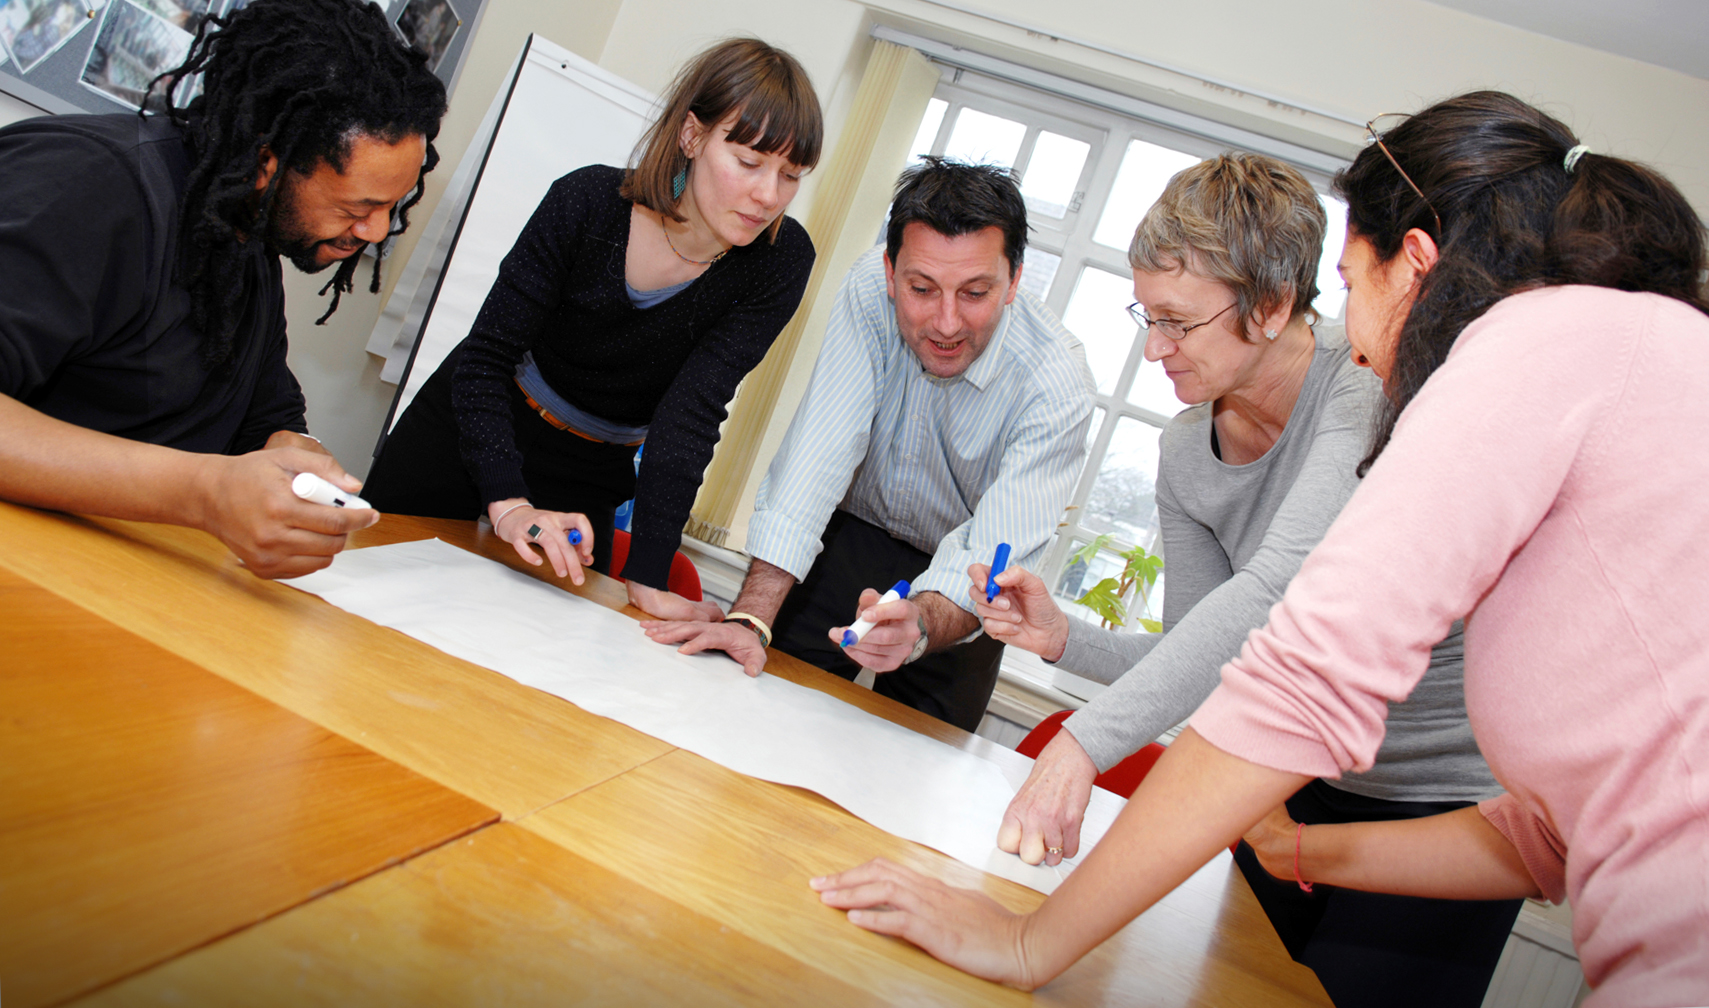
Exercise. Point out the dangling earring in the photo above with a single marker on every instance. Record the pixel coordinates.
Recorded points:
(1271, 334)
(680, 182)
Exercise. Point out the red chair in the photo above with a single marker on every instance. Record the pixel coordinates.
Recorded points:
(683, 578)
(1122, 778)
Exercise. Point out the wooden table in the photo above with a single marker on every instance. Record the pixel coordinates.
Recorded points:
(625, 871)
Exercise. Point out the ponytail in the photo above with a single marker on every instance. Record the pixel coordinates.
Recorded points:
(1513, 218)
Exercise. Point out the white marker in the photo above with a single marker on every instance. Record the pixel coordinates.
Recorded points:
(858, 629)
(315, 490)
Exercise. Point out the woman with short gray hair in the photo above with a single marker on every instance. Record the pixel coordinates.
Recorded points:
(1250, 478)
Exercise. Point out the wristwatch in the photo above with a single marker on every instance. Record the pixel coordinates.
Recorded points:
(919, 645)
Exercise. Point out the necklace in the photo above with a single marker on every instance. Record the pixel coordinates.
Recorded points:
(686, 259)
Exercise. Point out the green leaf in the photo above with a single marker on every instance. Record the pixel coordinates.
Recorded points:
(1141, 566)
(1102, 598)
(1087, 553)
(1151, 625)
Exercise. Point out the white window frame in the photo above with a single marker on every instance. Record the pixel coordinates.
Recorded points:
(1108, 132)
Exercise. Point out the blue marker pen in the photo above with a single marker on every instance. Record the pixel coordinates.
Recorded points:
(575, 537)
(858, 629)
(998, 563)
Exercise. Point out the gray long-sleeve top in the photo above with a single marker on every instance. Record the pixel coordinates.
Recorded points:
(1233, 536)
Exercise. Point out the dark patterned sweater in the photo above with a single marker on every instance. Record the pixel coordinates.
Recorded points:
(560, 293)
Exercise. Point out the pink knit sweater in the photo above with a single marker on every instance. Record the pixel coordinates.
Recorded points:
(1551, 483)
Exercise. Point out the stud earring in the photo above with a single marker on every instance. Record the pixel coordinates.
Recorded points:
(1271, 334)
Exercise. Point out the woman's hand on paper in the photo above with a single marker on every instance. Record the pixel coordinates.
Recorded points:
(895, 631)
(696, 636)
(524, 526)
(668, 605)
(1022, 615)
(965, 929)
(1047, 811)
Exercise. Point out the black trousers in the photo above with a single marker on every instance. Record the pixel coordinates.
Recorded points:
(1376, 949)
(420, 470)
(954, 685)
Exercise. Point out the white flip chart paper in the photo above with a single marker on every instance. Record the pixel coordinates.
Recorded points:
(902, 782)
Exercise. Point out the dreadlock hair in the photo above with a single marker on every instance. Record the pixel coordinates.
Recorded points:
(1513, 217)
(302, 79)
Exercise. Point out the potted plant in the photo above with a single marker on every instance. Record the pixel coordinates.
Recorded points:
(1112, 598)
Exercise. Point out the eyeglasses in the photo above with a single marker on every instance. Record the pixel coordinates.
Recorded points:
(1371, 128)
(1169, 327)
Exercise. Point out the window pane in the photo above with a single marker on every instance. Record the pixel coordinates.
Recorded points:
(1097, 421)
(1153, 390)
(1331, 296)
(1124, 497)
(1038, 269)
(1097, 313)
(928, 133)
(1052, 173)
(982, 138)
(1146, 169)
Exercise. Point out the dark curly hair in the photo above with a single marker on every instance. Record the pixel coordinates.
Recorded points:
(303, 79)
(1512, 218)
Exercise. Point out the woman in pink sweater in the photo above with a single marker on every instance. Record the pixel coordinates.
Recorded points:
(1536, 314)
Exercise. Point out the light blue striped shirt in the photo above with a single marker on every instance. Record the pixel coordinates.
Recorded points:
(953, 466)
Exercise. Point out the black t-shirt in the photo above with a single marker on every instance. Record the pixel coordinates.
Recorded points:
(93, 330)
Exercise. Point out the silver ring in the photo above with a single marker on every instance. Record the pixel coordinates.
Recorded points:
(533, 531)
(1054, 850)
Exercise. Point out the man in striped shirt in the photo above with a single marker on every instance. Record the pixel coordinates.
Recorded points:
(947, 413)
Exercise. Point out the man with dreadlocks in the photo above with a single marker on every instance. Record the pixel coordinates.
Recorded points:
(142, 326)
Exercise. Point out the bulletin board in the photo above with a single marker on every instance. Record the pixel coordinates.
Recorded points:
(69, 56)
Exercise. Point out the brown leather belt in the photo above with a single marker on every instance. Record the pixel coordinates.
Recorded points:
(547, 416)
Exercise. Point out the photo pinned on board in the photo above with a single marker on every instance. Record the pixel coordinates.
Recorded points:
(134, 47)
(429, 25)
(186, 14)
(32, 30)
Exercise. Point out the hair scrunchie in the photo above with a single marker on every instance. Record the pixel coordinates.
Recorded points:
(1572, 157)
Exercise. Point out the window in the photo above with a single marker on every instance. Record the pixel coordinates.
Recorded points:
(1089, 175)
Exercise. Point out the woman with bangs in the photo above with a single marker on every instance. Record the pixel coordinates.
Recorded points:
(632, 304)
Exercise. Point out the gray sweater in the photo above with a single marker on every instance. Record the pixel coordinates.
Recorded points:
(1233, 536)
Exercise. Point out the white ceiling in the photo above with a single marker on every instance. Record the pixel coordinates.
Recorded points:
(1669, 33)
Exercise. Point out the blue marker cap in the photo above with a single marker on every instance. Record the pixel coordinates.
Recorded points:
(575, 537)
(998, 563)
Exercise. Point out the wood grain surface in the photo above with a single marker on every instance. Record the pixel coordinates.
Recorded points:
(502, 917)
(503, 744)
(741, 851)
(148, 806)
